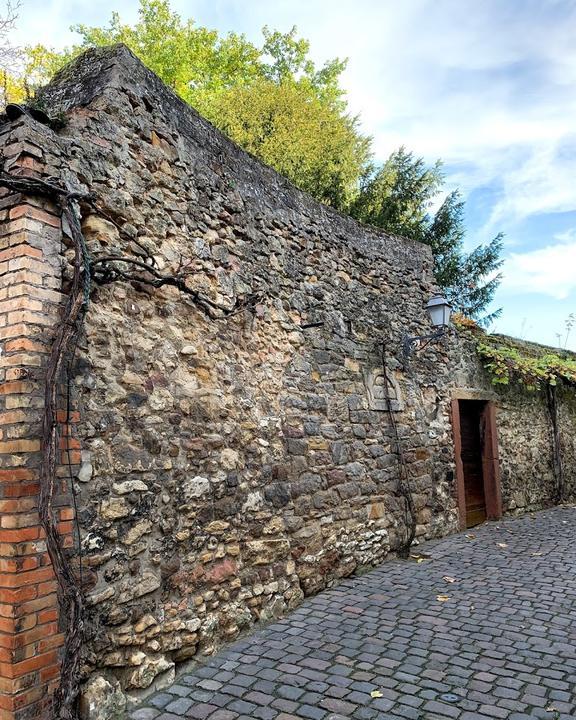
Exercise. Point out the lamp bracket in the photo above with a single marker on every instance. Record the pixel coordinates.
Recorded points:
(410, 344)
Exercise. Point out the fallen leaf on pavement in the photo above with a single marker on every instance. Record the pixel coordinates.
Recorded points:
(536, 554)
(376, 694)
(442, 598)
(471, 536)
(449, 579)
(502, 545)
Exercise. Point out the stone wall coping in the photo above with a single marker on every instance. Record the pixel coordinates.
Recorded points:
(101, 71)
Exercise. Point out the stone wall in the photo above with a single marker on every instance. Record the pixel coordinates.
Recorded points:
(230, 466)
(566, 415)
(525, 430)
(526, 463)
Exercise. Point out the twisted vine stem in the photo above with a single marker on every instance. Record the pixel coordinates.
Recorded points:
(403, 485)
(101, 270)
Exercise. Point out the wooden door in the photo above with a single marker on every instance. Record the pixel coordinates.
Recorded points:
(472, 434)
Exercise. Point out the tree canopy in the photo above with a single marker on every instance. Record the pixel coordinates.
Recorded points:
(275, 102)
(399, 196)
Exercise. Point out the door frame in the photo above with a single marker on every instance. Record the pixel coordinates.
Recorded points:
(490, 459)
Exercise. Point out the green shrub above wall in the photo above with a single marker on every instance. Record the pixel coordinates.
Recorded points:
(510, 360)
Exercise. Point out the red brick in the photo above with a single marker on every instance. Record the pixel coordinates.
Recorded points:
(37, 662)
(20, 535)
(30, 318)
(69, 443)
(70, 456)
(23, 489)
(17, 474)
(22, 579)
(21, 276)
(20, 251)
(19, 594)
(73, 417)
(7, 702)
(36, 605)
(65, 527)
(35, 213)
(17, 387)
(30, 298)
(47, 616)
(25, 344)
(7, 625)
(23, 505)
(16, 565)
(20, 520)
(13, 360)
(48, 588)
(52, 671)
(52, 641)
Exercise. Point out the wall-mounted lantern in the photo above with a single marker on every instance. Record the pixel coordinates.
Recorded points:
(439, 310)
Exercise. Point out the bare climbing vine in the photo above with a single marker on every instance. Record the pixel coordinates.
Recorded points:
(403, 485)
(557, 466)
(86, 272)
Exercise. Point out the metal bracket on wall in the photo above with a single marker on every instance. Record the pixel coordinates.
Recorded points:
(411, 344)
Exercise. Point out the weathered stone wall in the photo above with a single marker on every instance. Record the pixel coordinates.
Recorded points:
(566, 416)
(230, 466)
(525, 439)
(524, 427)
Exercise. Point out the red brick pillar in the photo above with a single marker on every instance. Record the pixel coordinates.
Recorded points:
(30, 300)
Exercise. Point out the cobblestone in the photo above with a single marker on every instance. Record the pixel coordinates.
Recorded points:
(503, 642)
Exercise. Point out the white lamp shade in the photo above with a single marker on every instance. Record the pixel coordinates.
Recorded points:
(439, 310)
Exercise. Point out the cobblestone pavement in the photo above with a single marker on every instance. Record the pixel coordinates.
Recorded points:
(502, 644)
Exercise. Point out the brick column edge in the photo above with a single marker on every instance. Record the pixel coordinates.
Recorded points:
(30, 306)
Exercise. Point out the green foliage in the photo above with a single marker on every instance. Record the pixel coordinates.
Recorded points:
(512, 361)
(302, 137)
(286, 58)
(277, 104)
(193, 60)
(272, 100)
(399, 197)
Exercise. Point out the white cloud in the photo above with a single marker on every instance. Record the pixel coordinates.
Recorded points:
(548, 270)
(543, 182)
(485, 86)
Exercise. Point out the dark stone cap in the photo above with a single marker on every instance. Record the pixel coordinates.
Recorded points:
(107, 71)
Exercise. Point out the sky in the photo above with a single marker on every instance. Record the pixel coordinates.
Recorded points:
(488, 87)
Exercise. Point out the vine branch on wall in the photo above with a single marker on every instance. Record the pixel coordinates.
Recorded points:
(101, 270)
(69, 594)
(557, 467)
(404, 488)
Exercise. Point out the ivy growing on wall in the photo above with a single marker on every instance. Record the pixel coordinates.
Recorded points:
(530, 366)
(509, 360)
